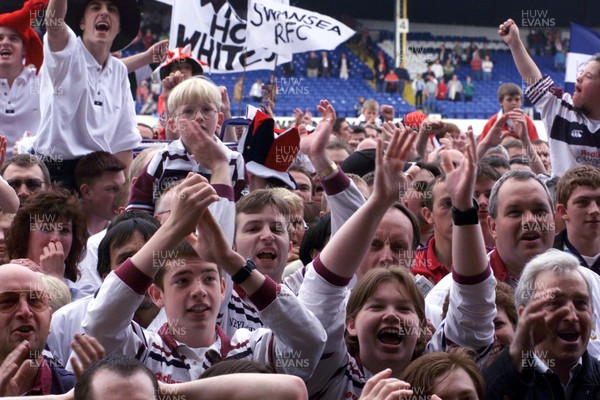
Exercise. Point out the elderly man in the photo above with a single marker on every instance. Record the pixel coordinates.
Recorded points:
(548, 356)
(25, 316)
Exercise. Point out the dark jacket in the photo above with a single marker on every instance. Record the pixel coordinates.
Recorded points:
(504, 382)
(51, 378)
(561, 242)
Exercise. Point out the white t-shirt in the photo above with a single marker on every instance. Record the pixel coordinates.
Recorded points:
(19, 107)
(85, 107)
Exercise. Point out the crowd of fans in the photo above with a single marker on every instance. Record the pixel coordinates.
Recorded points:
(393, 258)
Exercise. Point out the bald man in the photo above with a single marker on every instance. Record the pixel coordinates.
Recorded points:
(25, 316)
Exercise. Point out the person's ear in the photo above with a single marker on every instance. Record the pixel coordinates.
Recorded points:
(85, 190)
(172, 125)
(427, 214)
(492, 227)
(351, 326)
(561, 211)
(156, 295)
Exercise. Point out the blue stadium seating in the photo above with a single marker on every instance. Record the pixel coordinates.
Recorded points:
(305, 93)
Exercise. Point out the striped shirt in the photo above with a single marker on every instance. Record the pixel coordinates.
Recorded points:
(292, 346)
(574, 139)
(172, 164)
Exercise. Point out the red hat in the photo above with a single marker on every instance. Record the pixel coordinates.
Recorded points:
(181, 55)
(268, 153)
(21, 21)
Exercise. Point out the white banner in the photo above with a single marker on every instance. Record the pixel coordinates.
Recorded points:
(218, 37)
(286, 29)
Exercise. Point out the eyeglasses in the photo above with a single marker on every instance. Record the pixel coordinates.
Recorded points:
(189, 113)
(31, 183)
(37, 300)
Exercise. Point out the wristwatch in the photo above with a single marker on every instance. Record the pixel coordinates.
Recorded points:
(240, 277)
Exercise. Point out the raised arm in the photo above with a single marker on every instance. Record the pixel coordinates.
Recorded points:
(427, 128)
(238, 386)
(9, 201)
(313, 144)
(342, 194)
(535, 163)
(471, 311)
(493, 137)
(509, 32)
(461, 186)
(345, 251)
(293, 328)
(58, 35)
(193, 196)
(154, 54)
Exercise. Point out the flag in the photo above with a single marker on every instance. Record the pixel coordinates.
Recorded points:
(217, 36)
(584, 43)
(285, 29)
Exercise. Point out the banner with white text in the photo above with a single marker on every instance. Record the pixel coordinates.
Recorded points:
(218, 37)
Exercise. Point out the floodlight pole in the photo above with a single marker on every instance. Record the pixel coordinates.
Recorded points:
(400, 50)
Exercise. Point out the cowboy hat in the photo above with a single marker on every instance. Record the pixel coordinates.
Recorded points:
(130, 16)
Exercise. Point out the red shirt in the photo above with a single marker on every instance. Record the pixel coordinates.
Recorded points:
(500, 271)
(427, 265)
(532, 132)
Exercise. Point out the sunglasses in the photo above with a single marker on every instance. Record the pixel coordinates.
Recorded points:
(37, 300)
(32, 184)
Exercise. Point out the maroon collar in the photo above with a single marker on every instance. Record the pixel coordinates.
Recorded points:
(500, 271)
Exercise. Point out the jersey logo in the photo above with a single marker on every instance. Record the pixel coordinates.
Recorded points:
(576, 133)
